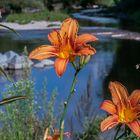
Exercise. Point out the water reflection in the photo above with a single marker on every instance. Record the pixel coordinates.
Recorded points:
(124, 66)
(29, 38)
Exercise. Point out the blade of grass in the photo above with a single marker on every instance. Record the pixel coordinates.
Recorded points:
(11, 99)
(2, 72)
(10, 29)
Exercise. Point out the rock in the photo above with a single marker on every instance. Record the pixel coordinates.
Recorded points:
(44, 63)
(10, 55)
(15, 63)
(19, 62)
(30, 10)
(3, 61)
(11, 60)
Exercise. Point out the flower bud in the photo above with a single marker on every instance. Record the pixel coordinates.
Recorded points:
(87, 58)
(82, 60)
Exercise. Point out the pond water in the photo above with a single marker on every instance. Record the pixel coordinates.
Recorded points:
(115, 60)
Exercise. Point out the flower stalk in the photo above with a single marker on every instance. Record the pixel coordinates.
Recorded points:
(67, 103)
(66, 46)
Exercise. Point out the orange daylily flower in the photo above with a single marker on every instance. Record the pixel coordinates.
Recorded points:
(66, 45)
(56, 135)
(123, 108)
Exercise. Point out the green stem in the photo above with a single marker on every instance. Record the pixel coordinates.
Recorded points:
(66, 104)
(74, 65)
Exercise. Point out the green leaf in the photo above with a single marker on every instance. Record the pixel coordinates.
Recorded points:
(12, 99)
(10, 29)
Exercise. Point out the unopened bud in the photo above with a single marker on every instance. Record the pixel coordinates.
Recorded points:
(87, 59)
(82, 58)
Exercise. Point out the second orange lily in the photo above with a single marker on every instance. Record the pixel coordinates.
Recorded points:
(123, 108)
(66, 45)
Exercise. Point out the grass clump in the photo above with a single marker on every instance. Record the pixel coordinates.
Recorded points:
(27, 119)
(23, 18)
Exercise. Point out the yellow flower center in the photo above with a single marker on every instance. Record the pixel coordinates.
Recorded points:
(67, 52)
(127, 115)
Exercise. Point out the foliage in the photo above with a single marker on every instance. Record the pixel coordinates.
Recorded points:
(91, 130)
(23, 120)
(105, 2)
(129, 13)
(48, 4)
(85, 3)
(17, 5)
(128, 5)
(24, 18)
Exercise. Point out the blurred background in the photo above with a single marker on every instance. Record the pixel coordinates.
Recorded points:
(127, 11)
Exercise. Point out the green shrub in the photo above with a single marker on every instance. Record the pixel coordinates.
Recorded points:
(27, 119)
(14, 4)
(24, 18)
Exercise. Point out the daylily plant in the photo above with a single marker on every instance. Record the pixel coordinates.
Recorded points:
(66, 45)
(123, 109)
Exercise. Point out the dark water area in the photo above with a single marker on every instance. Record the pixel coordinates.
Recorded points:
(29, 38)
(124, 65)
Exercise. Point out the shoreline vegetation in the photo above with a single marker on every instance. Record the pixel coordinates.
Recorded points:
(46, 15)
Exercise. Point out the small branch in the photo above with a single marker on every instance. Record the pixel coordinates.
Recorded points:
(74, 65)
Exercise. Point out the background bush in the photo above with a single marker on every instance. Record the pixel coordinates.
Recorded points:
(27, 119)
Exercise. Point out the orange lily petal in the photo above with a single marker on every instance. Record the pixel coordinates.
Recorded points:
(135, 97)
(60, 66)
(109, 122)
(85, 50)
(119, 93)
(55, 38)
(69, 29)
(136, 111)
(43, 52)
(135, 127)
(84, 38)
(49, 138)
(108, 106)
(56, 137)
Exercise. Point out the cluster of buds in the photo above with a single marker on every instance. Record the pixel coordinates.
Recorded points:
(84, 59)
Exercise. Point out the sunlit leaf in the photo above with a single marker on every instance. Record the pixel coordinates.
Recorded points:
(12, 99)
